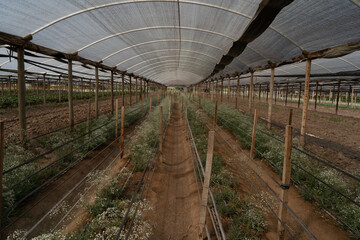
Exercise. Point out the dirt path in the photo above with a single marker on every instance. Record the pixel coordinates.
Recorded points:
(173, 192)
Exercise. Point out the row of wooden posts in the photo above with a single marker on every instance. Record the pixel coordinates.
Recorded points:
(22, 91)
(285, 181)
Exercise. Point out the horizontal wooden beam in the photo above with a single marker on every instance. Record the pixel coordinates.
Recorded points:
(26, 43)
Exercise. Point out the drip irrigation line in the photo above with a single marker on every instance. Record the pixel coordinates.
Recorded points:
(70, 192)
(210, 192)
(260, 195)
(63, 182)
(276, 195)
(311, 156)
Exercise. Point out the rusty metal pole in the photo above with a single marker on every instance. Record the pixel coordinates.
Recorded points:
(21, 93)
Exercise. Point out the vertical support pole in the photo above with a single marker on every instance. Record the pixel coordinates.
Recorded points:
(160, 134)
(205, 193)
(150, 104)
(216, 89)
(123, 89)
(216, 112)
(2, 144)
(299, 95)
(122, 131)
(253, 137)
(338, 97)
(286, 93)
(59, 88)
(306, 99)
(116, 118)
(222, 90)
(112, 91)
(316, 93)
(136, 90)
(44, 89)
(251, 91)
(260, 92)
(70, 95)
(228, 90)
(270, 102)
(96, 92)
(237, 91)
(320, 95)
(37, 86)
(88, 117)
(285, 182)
(130, 90)
(21, 93)
(82, 88)
(290, 116)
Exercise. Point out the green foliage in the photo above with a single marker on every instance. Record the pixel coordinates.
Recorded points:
(271, 150)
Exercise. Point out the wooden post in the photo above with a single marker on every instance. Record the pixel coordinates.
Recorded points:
(228, 93)
(286, 93)
(320, 94)
(290, 116)
(299, 95)
(237, 91)
(252, 150)
(259, 92)
(222, 89)
(306, 99)
(44, 89)
(112, 91)
(150, 104)
(337, 98)
(82, 88)
(130, 90)
(122, 131)
(123, 89)
(316, 93)
(251, 91)
(216, 112)
(270, 102)
(136, 90)
(2, 144)
(116, 118)
(96, 92)
(59, 88)
(160, 134)
(70, 95)
(206, 185)
(21, 93)
(285, 182)
(88, 117)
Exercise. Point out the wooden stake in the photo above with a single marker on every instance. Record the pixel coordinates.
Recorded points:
(70, 95)
(251, 91)
(150, 105)
(205, 192)
(270, 102)
(316, 93)
(2, 144)
(44, 90)
(122, 131)
(290, 116)
(216, 112)
(88, 118)
(130, 91)
(306, 99)
(237, 91)
(299, 95)
(160, 134)
(222, 89)
(96, 92)
(123, 89)
(252, 150)
(285, 182)
(21, 93)
(116, 118)
(112, 91)
(338, 97)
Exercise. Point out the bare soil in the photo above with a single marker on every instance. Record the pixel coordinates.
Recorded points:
(319, 223)
(334, 137)
(44, 118)
(173, 191)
